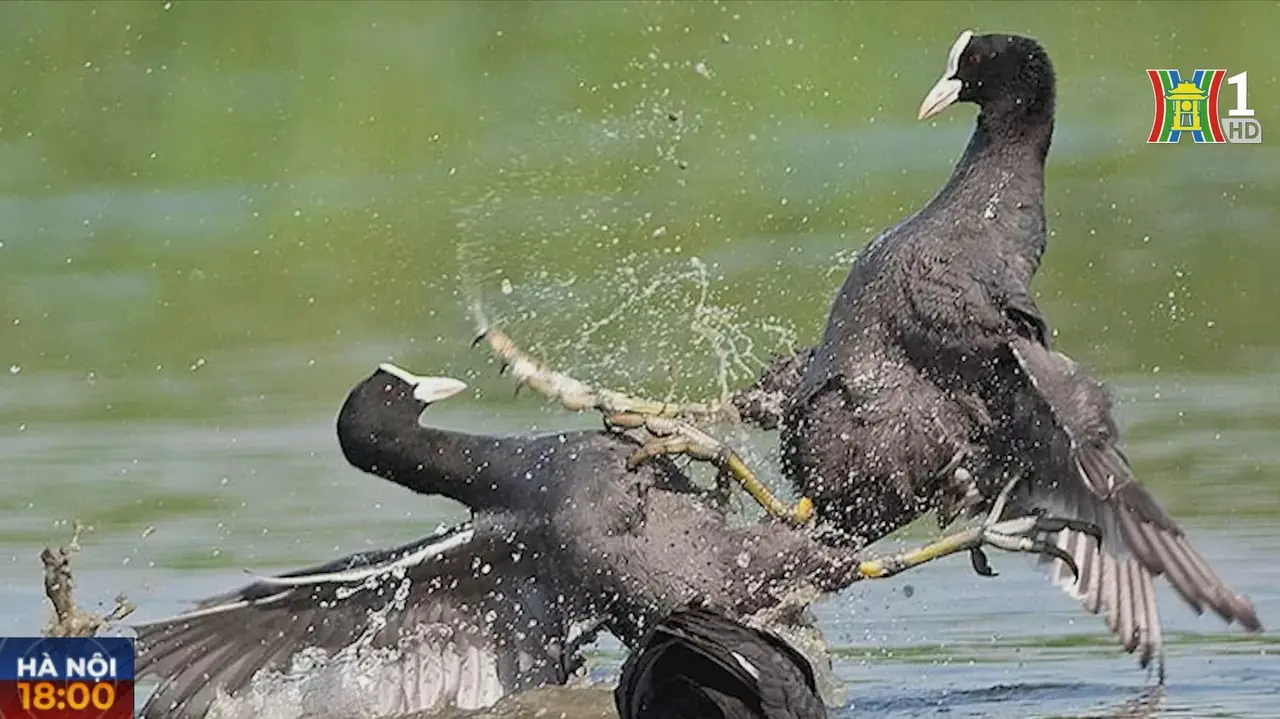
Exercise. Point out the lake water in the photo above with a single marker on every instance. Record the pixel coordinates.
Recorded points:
(218, 218)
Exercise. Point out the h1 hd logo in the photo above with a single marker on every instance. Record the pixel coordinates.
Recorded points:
(1190, 107)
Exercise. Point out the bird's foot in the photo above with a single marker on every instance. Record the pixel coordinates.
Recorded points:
(1024, 534)
(576, 395)
(673, 425)
(1002, 501)
(678, 437)
(1028, 535)
(960, 493)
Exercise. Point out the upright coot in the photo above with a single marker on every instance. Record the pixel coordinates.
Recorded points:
(934, 386)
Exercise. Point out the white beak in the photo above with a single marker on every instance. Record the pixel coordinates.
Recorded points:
(940, 97)
(948, 88)
(434, 389)
(426, 389)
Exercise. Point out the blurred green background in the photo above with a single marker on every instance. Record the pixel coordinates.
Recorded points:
(217, 217)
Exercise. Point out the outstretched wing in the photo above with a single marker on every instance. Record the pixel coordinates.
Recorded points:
(1088, 477)
(468, 620)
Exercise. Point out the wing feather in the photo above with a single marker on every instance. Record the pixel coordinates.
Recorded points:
(508, 622)
(1095, 482)
(1127, 607)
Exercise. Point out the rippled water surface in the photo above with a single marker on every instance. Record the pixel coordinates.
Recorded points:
(218, 218)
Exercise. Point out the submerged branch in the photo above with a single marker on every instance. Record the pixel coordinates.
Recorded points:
(59, 586)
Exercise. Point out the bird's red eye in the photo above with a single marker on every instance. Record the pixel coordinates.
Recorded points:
(973, 58)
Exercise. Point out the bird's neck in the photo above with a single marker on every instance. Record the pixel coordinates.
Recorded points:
(393, 445)
(1015, 122)
(999, 181)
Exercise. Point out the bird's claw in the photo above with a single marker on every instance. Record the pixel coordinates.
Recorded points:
(981, 564)
(1029, 535)
(1057, 524)
(1061, 555)
(674, 426)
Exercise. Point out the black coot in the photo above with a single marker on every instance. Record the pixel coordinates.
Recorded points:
(935, 388)
(701, 664)
(564, 541)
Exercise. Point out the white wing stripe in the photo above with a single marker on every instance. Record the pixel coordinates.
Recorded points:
(217, 609)
(359, 574)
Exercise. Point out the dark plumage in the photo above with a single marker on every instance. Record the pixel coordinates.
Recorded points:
(564, 541)
(701, 664)
(934, 384)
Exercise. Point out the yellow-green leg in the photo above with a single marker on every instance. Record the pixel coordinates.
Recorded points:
(577, 395)
(674, 425)
(1024, 534)
(673, 436)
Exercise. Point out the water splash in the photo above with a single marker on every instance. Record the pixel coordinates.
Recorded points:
(646, 322)
(651, 321)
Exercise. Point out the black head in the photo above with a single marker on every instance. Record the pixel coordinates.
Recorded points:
(383, 411)
(394, 391)
(1002, 74)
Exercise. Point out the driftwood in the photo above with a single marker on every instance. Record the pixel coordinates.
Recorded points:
(59, 586)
